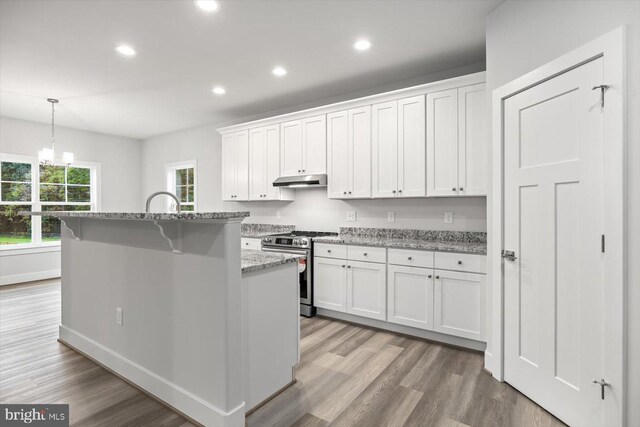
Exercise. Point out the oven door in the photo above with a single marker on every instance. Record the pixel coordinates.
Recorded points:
(304, 271)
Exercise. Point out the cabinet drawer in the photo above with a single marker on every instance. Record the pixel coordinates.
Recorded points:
(330, 251)
(251, 243)
(367, 253)
(410, 257)
(461, 262)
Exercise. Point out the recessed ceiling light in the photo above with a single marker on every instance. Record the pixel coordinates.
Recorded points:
(219, 90)
(362, 44)
(279, 71)
(125, 50)
(208, 5)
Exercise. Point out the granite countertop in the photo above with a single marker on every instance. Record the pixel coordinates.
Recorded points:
(183, 216)
(440, 241)
(253, 260)
(261, 230)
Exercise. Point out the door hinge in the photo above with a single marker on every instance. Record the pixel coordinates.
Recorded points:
(602, 243)
(602, 88)
(602, 383)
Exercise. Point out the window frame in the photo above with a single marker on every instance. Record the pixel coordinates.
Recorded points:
(170, 174)
(36, 205)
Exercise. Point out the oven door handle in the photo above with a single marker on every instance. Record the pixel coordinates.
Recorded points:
(286, 251)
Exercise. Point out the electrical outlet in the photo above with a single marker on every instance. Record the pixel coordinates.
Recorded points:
(448, 217)
(391, 216)
(351, 216)
(119, 316)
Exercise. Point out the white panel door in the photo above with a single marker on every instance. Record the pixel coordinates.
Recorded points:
(272, 138)
(314, 146)
(459, 301)
(442, 143)
(291, 148)
(472, 145)
(229, 177)
(553, 210)
(257, 164)
(410, 296)
(242, 165)
(330, 283)
(384, 147)
(411, 147)
(366, 289)
(360, 152)
(338, 152)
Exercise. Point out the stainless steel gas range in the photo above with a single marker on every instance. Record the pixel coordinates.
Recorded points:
(298, 242)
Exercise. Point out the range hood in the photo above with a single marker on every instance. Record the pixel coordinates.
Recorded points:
(301, 181)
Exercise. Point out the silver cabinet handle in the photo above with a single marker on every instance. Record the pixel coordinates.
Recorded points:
(365, 254)
(342, 265)
(246, 243)
(299, 170)
(348, 266)
(437, 277)
(349, 192)
(328, 251)
(453, 189)
(459, 262)
(409, 258)
(394, 191)
(399, 191)
(429, 276)
(461, 188)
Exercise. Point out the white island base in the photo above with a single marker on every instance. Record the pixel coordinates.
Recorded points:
(164, 305)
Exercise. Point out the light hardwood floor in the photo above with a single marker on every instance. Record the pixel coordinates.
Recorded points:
(349, 376)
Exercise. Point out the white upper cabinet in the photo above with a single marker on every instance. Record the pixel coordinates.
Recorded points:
(235, 168)
(398, 145)
(456, 148)
(472, 149)
(264, 164)
(303, 146)
(384, 146)
(349, 153)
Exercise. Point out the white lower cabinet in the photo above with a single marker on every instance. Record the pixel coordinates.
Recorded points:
(366, 289)
(459, 304)
(410, 296)
(330, 279)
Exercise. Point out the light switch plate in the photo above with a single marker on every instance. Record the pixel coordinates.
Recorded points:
(119, 315)
(351, 216)
(391, 216)
(448, 217)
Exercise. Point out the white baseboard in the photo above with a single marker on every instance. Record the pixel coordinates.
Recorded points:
(407, 330)
(183, 401)
(29, 277)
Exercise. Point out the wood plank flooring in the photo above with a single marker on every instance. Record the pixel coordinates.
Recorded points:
(349, 376)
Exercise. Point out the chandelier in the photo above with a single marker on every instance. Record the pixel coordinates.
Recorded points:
(46, 155)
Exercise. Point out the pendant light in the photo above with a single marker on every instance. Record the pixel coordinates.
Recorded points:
(46, 155)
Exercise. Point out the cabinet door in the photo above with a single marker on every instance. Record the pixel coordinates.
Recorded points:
(442, 143)
(242, 165)
(338, 155)
(360, 152)
(314, 147)
(472, 152)
(257, 164)
(459, 304)
(291, 148)
(229, 177)
(410, 296)
(330, 283)
(366, 289)
(272, 138)
(384, 146)
(412, 178)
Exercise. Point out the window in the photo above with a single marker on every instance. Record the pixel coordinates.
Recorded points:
(25, 185)
(181, 181)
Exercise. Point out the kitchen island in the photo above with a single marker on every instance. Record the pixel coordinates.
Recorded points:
(170, 303)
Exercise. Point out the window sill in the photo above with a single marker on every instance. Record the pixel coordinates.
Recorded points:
(29, 249)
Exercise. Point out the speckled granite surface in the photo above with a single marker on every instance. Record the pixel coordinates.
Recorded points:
(441, 241)
(261, 230)
(252, 260)
(184, 216)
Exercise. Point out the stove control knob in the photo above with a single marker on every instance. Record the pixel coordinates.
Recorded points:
(304, 242)
(296, 242)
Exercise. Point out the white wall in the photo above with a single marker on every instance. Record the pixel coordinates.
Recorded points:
(524, 35)
(120, 188)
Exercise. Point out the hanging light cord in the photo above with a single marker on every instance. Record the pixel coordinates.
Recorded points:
(53, 111)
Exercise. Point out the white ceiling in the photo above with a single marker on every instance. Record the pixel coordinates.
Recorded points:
(65, 49)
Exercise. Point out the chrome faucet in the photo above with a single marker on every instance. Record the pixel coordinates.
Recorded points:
(157, 193)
